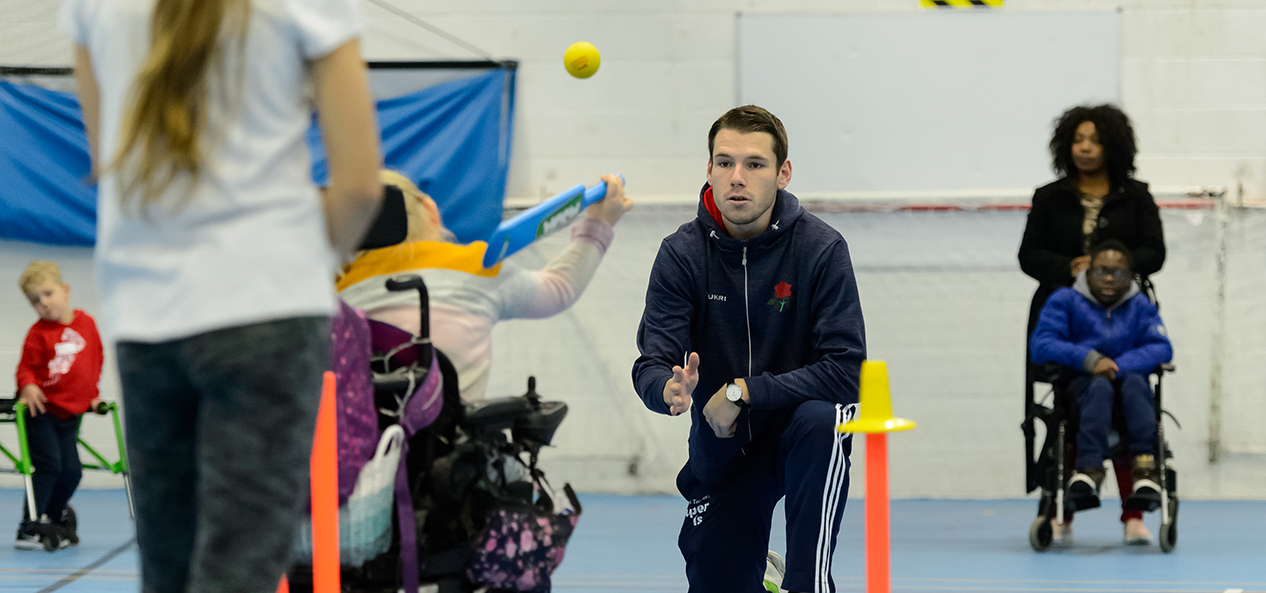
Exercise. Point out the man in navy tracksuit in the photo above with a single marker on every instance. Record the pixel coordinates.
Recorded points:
(1108, 331)
(756, 298)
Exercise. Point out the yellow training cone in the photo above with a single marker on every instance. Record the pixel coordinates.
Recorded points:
(876, 421)
(875, 402)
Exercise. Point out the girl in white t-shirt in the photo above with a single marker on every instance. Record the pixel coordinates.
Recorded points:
(214, 253)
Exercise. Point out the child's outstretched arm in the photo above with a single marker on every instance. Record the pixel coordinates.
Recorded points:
(556, 287)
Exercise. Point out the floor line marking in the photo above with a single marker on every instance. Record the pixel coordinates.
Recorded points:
(74, 576)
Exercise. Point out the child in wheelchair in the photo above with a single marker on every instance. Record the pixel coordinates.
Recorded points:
(1109, 335)
(57, 382)
(470, 512)
(467, 300)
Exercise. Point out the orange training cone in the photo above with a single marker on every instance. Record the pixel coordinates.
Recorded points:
(875, 420)
(325, 561)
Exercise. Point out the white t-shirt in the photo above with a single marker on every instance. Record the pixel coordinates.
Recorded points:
(251, 244)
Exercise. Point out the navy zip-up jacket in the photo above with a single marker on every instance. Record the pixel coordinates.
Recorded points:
(779, 310)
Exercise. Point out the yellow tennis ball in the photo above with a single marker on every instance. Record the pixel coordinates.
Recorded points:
(582, 59)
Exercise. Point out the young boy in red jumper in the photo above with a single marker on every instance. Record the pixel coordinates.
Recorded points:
(57, 381)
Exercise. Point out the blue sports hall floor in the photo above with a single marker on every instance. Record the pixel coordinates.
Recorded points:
(627, 544)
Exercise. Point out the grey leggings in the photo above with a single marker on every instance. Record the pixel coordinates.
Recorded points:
(219, 433)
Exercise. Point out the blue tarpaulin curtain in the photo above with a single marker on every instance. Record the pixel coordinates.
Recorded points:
(44, 196)
(451, 139)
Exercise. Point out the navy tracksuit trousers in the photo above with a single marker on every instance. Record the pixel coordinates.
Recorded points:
(1095, 396)
(54, 447)
(725, 535)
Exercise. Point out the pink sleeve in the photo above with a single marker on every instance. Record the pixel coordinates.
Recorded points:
(550, 291)
(595, 231)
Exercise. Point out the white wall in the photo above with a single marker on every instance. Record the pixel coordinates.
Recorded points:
(925, 101)
(1193, 78)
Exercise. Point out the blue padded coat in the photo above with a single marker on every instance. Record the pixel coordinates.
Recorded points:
(1076, 330)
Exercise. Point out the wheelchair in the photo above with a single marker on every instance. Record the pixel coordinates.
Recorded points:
(13, 411)
(451, 487)
(1048, 465)
(466, 464)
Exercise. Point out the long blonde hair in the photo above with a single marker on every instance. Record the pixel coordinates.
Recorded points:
(169, 102)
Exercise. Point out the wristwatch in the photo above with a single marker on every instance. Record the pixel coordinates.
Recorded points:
(734, 393)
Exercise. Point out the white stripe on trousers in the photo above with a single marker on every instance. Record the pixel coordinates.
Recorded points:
(830, 500)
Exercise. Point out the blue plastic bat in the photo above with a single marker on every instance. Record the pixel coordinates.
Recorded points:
(541, 220)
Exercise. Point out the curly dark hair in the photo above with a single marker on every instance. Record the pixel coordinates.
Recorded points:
(1115, 134)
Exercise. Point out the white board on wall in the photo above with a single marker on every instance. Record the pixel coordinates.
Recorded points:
(924, 102)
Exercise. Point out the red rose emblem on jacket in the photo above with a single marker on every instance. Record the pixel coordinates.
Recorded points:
(782, 295)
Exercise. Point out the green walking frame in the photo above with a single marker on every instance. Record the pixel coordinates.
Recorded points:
(11, 410)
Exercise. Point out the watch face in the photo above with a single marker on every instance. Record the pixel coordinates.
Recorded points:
(734, 393)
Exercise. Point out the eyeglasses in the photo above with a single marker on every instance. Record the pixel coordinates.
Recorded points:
(1116, 274)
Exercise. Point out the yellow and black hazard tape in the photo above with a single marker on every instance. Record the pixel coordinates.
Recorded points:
(960, 3)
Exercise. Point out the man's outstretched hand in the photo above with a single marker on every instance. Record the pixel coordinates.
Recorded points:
(679, 389)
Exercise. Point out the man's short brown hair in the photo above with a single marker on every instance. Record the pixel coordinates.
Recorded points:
(38, 272)
(748, 119)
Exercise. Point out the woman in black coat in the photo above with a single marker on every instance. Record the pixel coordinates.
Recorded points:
(1093, 150)
(1095, 199)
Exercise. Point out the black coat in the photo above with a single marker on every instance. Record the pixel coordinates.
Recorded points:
(1053, 235)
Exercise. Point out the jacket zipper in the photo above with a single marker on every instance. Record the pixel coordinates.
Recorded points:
(747, 313)
(747, 308)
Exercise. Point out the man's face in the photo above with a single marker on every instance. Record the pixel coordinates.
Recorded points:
(1087, 150)
(1108, 276)
(50, 300)
(745, 178)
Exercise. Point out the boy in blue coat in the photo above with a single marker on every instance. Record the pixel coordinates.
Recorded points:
(1106, 328)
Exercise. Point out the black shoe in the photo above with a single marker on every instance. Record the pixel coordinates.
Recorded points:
(69, 526)
(51, 536)
(1083, 488)
(28, 537)
(1146, 496)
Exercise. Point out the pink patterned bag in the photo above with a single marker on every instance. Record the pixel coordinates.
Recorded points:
(522, 545)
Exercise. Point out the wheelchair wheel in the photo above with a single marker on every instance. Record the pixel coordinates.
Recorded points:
(1040, 533)
(1168, 535)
